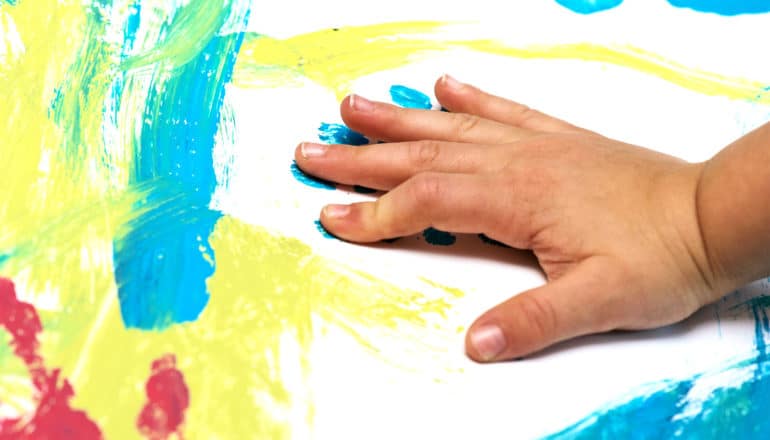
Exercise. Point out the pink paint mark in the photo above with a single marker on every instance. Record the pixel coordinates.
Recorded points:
(167, 399)
(53, 418)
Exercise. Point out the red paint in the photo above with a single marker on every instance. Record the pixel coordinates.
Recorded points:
(53, 418)
(167, 399)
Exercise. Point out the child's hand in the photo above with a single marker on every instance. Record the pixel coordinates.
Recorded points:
(615, 227)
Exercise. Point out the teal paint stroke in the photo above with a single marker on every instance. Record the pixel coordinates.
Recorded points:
(163, 261)
(340, 134)
(410, 98)
(731, 410)
(725, 7)
(589, 6)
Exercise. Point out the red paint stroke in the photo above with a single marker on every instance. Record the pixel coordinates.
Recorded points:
(53, 418)
(167, 399)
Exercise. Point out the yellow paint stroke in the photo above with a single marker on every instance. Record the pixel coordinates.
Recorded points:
(268, 291)
(335, 59)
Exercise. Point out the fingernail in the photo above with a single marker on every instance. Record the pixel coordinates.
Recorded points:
(336, 211)
(361, 104)
(309, 149)
(450, 82)
(488, 341)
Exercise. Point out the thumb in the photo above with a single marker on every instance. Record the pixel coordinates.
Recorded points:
(573, 305)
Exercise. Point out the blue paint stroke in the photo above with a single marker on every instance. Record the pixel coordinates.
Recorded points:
(410, 98)
(734, 411)
(307, 179)
(438, 238)
(162, 263)
(724, 7)
(589, 6)
(340, 134)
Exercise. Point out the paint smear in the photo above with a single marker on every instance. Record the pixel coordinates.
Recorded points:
(410, 98)
(589, 6)
(269, 293)
(732, 410)
(725, 7)
(439, 238)
(162, 264)
(336, 58)
(307, 179)
(53, 418)
(340, 134)
(167, 400)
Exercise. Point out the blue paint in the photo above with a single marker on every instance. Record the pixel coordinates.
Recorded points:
(4, 258)
(340, 134)
(410, 98)
(323, 230)
(163, 261)
(438, 238)
(589, 6)
(309, 180)
(363, 190)
(724, 7)
(731, 411)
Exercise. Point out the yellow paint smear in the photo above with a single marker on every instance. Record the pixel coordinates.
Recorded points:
(335, 59)
(268, 291)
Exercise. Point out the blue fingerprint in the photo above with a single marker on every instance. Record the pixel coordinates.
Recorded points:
(163, 261)
(725, 7)
(307, 179)
(340, 134)
(410, 98)
(438, 238)
(589, 6)
(735, 411)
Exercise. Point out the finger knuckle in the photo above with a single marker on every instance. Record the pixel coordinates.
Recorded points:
(539, 315)
(426, 189)
(465, 123)
(424, 154)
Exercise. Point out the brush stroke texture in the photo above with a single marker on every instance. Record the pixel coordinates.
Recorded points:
(162, 264)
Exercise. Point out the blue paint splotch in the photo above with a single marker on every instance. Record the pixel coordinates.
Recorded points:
(438, 238)
(725, 7)
(733, 410)
(163, 261)
(340, 134)
(589, 6)
(307, 179)
(410, 98)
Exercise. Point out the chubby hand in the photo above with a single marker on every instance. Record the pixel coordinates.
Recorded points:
(614, 227)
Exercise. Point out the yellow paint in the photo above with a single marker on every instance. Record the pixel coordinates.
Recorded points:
(335, 59)
(267, 291)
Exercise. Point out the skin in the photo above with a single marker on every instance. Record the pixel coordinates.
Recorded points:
(627, 237)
